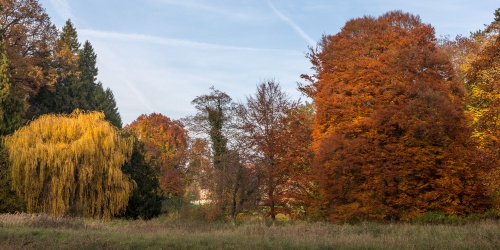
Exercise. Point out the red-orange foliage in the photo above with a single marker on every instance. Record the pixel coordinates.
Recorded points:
(278, 133)
(165, 143)
(265, 125)
(300, 190)
(390, 131)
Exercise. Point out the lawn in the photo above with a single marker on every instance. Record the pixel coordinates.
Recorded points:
(23, 231)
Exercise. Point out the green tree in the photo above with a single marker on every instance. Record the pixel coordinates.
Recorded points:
(69, 36)
(93, 95)
(104, 100)
(77, 86)
(11, 108)
(231, 180)
(63, 97)
(11, 118)
(146, 199)
(214, 113)
(71, 165)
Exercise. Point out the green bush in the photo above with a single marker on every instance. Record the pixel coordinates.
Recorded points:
(435, 217)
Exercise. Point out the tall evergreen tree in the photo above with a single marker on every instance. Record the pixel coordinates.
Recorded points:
(11, 107)
(146, 198)
(87, 64)
(104, 100)
(60, 99)
(69, 36)
(77, 86)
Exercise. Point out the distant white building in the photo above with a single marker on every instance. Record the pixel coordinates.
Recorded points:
(204, 197)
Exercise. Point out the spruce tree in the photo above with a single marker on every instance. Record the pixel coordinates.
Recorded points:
(96, 97)
(60, 98)
(145, 201)
(77, 86)
(69, 36)
(11, 108)
(104, 100)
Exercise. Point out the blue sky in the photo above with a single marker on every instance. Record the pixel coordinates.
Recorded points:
(158, 55)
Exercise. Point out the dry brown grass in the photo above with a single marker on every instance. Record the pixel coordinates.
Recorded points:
(23, 231)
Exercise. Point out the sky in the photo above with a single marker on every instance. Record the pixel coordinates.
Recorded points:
(158, 55)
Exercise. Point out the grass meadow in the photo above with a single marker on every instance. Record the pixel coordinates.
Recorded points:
(29, 231)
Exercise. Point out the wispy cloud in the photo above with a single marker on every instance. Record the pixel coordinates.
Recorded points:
(208, 8)
(294, 26)
(167, 41)
(63, 8)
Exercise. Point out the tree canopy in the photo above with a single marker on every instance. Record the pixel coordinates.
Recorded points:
(390, 131)
(76, 86)
(165, 145)
(31, 40)
(70, 165)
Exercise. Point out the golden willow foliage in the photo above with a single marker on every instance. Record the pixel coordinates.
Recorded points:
(71, 165)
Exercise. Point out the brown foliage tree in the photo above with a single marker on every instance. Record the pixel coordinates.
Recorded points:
(266, 121)
(165, 143)
(31, 40)
(301, 190)
(390, 133)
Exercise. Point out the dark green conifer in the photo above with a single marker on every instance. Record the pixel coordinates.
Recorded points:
(77, 86)
(145, 201)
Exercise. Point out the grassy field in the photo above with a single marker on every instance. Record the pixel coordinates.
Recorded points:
(23, 231)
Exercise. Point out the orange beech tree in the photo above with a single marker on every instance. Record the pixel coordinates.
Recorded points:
(390, 134)
(165, 144)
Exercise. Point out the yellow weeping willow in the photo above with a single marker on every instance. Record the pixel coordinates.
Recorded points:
(71, 165)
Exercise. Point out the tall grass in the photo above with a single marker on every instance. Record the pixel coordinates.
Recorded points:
(23, 231)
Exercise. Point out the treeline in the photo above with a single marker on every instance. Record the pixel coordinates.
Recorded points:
(401, 124)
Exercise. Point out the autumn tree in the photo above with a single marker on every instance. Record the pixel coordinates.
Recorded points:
(165, 145)
(483, 103)
(30, 41)
(233, 181)
(301, 192)
(474, 59)
(199, 169)
(77, 86)
(71, 165)
(390, 134)
(265, 124)
(64, 96)
(212, 120)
